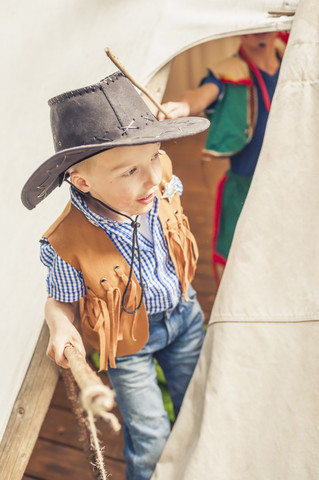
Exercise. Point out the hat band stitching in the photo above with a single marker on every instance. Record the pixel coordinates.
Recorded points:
(129, 127)
(147, 118)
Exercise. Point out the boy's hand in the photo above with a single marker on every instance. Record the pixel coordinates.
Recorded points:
(61, 338)
(60, 317)
(175, 110)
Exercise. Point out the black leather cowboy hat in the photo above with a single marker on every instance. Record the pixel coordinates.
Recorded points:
(92, 119)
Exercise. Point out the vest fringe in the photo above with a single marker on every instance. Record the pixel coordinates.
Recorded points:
(184, 251)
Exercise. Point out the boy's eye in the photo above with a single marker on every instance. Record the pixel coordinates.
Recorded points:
(155, 156)
(130, 172)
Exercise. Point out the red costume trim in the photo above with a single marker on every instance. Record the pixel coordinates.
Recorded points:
(217, 257)
(244, 81)
(259, 78)
(284, 36)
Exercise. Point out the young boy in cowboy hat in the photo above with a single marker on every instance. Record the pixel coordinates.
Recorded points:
(122, 248)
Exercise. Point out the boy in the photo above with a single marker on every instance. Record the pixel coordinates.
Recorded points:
(122, 249)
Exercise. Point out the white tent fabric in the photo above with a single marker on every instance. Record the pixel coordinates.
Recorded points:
(252, 407)
(51, 47)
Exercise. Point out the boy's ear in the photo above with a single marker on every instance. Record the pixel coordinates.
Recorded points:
(79, 182)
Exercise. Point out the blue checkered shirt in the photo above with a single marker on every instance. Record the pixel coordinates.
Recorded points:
(162, 289)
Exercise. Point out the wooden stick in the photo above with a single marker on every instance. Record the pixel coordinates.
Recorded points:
(280, 13)
(96, 398)
(139, 86)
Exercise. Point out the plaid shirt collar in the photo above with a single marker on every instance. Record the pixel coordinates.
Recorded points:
(100, 221)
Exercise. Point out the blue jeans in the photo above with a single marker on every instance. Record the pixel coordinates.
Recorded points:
(175, 340)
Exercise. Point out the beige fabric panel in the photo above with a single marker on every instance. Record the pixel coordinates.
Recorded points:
(272, 270)
(252, 408)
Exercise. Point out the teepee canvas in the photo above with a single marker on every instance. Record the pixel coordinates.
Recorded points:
(252, 407)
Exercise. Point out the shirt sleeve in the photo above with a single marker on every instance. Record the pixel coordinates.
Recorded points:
(64, 282)
(178, 185)
(211, 78)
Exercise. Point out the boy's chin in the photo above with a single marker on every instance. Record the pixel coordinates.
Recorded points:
(142, 209)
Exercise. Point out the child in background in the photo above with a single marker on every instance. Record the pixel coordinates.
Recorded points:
(236, 97)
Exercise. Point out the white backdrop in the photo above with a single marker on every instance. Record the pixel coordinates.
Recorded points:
(54, 46)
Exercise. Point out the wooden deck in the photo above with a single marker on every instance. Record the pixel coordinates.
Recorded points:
(58, 454)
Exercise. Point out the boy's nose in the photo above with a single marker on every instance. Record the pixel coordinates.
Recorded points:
(153, 177)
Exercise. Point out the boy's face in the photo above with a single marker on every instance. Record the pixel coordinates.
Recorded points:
(125, 178)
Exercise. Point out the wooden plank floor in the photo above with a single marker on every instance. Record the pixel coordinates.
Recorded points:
(57, 454)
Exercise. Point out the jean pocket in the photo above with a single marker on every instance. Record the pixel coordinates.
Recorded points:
(191, 296)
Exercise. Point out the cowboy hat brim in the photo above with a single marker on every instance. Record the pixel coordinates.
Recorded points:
(48, 176)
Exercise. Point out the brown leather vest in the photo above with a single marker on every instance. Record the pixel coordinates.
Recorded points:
(87, 248)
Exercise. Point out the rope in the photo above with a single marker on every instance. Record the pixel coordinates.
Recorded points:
(96, 400)
(98, 463)
(86, 427)
(96, 397)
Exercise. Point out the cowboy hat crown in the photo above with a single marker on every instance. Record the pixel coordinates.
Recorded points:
(92, 119)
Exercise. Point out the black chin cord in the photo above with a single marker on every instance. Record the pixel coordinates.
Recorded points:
(135, 225)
